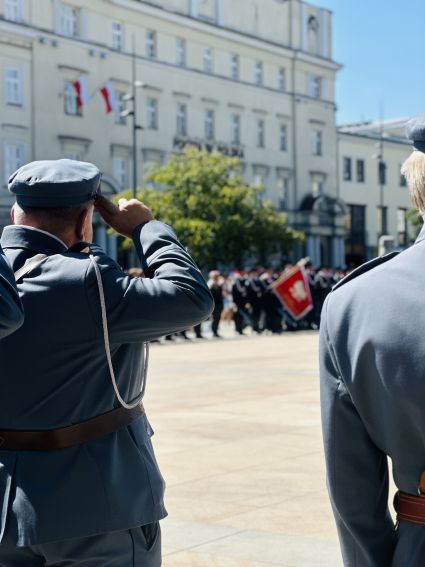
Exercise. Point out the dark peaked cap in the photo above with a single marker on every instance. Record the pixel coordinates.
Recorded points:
(415, 131)
(55, 183)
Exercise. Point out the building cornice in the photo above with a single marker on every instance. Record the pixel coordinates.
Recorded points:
(368, 137)
(229, 34)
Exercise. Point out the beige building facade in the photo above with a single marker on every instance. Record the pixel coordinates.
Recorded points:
(376, 194)
(253, 78)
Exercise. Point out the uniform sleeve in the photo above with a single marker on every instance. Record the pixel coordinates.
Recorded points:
(357, 471)
(172, 297)
(11, 312)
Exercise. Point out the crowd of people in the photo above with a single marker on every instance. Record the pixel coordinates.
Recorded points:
(247, 298)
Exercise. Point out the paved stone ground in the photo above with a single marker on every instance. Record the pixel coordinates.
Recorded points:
(238, 440)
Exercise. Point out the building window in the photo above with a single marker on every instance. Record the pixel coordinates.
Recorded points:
(316, 143)
(258, 75)
(360, 171)
(346, 168)
(181, 119)
(209, 124)
(382, 214)
(70, 100)
(13, 10)
(119, 107)
(180, 52)
(120, 170)
(208, 60)
(151, 113)
(14, 86)
(402, 179)
(281, 80)
(283, 192)
(402, 226)
(382, 172)
(14, 158)
(317, 181)
(236, 129)
(283, 138)
(69, 19)
(234, 67)
(315, 86)
(151, 44)
(117, 36)
(260, 133)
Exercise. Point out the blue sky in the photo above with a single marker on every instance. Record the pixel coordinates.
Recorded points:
(380, 43)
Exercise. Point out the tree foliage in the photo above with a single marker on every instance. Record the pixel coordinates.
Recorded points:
(416, 221)
(217, 215)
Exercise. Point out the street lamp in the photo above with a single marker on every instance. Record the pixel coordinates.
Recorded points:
(133, 113)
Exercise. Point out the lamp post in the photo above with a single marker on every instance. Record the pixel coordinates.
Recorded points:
(133, 113)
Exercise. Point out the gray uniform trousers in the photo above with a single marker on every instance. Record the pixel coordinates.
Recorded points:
(372, 357)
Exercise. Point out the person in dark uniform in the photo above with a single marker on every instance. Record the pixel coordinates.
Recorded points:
(11, 311)
(79, 483)
(255, 293)
(372, 351)
(241, 317)
(215, 285)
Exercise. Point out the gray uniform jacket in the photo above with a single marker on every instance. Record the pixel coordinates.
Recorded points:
(372, 358)
(11, 313)
(54, 373)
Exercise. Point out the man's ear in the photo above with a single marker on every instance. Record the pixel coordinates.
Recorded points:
(12, 214)
(81, 226)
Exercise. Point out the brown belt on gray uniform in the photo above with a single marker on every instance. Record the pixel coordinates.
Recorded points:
(63, 437)
(411, 507)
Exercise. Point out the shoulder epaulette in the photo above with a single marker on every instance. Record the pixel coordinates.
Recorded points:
(365, 268)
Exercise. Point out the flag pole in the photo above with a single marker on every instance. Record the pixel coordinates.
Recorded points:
(134, 119)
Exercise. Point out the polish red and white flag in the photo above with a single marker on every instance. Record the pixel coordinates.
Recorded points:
(110, 97)
(82, 90)
(293, 292)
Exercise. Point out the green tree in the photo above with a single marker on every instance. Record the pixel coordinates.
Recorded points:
(415, 219)
(216, 214)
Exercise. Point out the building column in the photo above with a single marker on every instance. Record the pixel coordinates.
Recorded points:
(313, 250)
(112, 246)
(100, 236)
(337, 252)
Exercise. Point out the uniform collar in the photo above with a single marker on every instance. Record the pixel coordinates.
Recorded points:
(30, 238)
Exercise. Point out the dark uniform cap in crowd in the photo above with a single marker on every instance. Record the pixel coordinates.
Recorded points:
(415, 131)
(55, 183)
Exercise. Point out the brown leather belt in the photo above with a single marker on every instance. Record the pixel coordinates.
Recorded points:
(410, 507)
(64, 437)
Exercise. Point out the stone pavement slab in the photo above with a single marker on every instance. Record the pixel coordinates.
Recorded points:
(238, 440)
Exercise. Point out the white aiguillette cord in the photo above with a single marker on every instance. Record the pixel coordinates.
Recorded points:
(145, 352)
(36, 261)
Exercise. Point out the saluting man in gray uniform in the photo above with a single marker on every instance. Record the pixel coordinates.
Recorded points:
(372, 358)
(79, 483)
(11, 313)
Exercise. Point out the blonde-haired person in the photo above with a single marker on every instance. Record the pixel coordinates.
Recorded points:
(372, 352)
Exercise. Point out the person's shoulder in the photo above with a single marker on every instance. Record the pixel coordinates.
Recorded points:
(364, 269)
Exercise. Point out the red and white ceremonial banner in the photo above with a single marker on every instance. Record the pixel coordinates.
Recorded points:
(293, 292)
(109, 97)
(82, 89)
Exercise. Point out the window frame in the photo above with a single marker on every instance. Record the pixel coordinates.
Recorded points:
(15, 85)
(18, 163)
(347, 168)
(70, 97)
(151, 44)
(208, 61)
(69, 20)
(260, 133)
(209, 124)
(181, 52)
(234, 67)
(151, 113)
(117, 36)
(236, 129)
(259, 73)
(14, 10)
(283, 138)
(181, 119)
